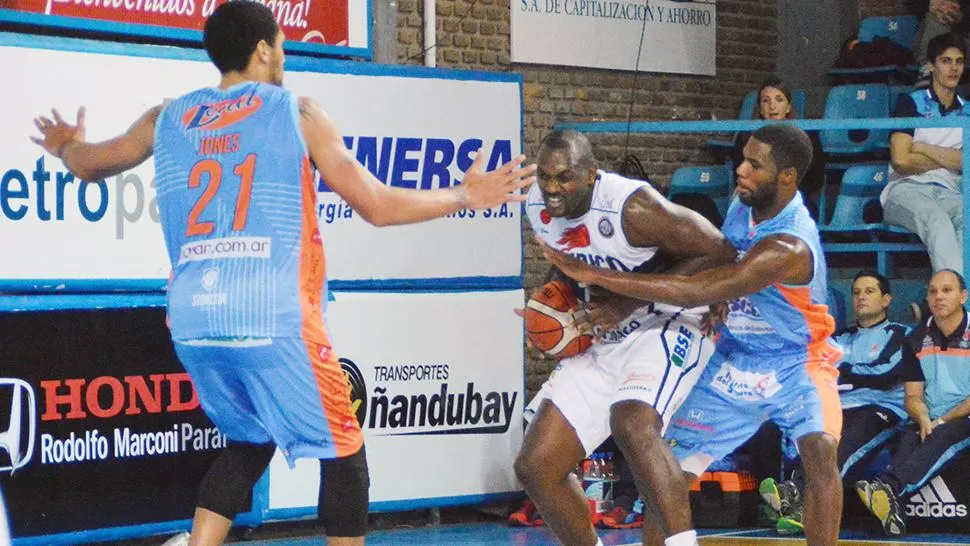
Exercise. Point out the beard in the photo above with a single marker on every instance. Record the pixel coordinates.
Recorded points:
(761, 197)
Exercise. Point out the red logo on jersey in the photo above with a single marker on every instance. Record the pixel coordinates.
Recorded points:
(221, 114)
(544, 216)
(577, 237)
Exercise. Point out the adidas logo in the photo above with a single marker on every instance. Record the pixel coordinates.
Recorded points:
(934, 500)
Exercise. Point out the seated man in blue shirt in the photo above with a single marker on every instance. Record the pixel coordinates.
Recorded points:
(923, 190)
(936, 374)
(871, 393)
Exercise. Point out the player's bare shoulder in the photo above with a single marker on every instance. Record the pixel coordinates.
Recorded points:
(643, 213)
(311, 112)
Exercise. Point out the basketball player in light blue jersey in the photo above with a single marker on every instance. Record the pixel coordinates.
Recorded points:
(773, 358)
(237, 198)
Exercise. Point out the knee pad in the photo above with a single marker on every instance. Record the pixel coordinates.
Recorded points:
(227, 488)
(344, 495)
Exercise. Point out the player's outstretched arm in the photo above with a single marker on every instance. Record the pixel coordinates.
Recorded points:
(94, 161)
(776, 259)
(383, 205)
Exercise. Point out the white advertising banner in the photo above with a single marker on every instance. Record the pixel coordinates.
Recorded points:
(439, 382)
(411, 127)
(678, 36)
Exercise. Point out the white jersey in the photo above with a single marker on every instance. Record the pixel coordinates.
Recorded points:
(597, 238)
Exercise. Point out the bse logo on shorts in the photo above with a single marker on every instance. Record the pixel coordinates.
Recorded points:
(358, 390)
(18, 419)
(682, 347)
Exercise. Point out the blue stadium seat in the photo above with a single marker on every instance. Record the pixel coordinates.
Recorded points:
(900, 29)
(836, 303)
(860, 189)
(748, 105)
(856, 102)
(715, 182)
(896, 91)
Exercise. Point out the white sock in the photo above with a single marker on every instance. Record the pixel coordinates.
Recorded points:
(687, 538)
(599, 542)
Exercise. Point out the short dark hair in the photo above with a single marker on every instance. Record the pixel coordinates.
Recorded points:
(881, 279)
(942, 42)
(775, 82)
(960, 280)
(790, 146)
(234, 29)
(574, 143)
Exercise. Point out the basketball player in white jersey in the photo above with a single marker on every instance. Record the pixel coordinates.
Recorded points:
(630, 382)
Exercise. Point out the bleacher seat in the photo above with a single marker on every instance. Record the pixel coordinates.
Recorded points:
(836, 303)
(896, 91)
(856, 102)
(901, 30)
(848, 231)
(715, 182)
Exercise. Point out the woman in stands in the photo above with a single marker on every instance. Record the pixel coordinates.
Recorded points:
(775, 103)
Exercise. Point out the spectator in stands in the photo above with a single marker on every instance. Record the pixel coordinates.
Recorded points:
(938, 17)
(936, 373)
(871, 391)
(923, 193)
(775, 103)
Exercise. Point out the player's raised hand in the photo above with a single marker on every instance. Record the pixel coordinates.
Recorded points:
(484, 190)
(57, 133)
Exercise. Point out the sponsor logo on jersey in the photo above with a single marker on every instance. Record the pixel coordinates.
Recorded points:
(574, 237)
(745, 385)
(222, 114)
(605, 227)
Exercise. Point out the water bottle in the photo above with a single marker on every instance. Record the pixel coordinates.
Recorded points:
(594, 481)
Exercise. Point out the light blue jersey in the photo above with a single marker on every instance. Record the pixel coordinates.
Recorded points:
(781, 318)
(942, 363)
(869, 372)
(237, 202)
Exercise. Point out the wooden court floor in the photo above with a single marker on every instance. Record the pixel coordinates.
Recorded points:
(494, 534)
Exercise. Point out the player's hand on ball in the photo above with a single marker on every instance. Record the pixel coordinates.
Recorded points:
(605, 310)
(714, 318)
(531, 350)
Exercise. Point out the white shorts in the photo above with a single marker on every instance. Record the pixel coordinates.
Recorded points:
(657, 364)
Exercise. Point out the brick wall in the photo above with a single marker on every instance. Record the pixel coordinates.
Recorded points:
(878, 8)
(475, 35)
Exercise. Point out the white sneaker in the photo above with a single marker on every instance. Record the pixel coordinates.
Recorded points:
(181, 539)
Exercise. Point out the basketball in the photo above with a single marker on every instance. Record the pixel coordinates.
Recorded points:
(549, 324)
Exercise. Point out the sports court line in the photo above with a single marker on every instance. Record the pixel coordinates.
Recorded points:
(718, 534)
(740, 535)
